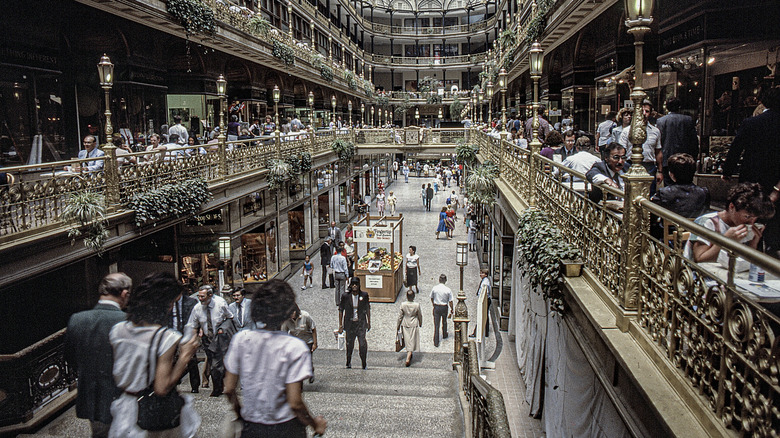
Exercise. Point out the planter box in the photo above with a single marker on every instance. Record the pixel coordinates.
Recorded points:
(391, 283)
(571, 268)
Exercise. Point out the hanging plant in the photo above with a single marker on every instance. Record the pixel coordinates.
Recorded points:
(349, 77)
(404, 106)
(466, 153)
(279, 171)
(171, 200)
(456, 106)
(305, 159)
(326, 72)
(258, 25)
(508, 39)
(87, 209)
(540, 248)
(284, 52)
(383, 100)
(344, 149)
(193, 15)
(368, 88)
(481, 185)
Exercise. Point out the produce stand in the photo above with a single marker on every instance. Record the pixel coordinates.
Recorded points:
(379, 270)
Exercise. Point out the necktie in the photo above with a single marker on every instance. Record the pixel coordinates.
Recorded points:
(240, 316)
(180, 321)
(210, 325)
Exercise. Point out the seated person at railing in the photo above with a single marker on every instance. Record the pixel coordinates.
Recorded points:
(154, 148)
(568, 149)
(173, 149)
(6, 179)
(609, 171)
(746, 204)
(583, 160)
(122, 149)
(90, 151)
(269, 126)
(684, 197)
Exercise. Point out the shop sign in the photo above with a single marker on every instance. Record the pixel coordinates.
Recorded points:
(373, 234)
(203, 247)
(213, 217)
(683, 35)
(374, 265)
(373, 282)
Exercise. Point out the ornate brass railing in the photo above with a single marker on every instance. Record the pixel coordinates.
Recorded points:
(427, 61)
(36, 199)
(33, 377)
(485, 403)
(723, 342)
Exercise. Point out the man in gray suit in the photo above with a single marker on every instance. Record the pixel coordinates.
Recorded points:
(241, 308)
(87, 349)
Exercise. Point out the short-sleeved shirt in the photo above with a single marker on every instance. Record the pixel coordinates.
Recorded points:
(301, 328)
(605, 131)
(441, 295)
(712, 221)
(219, 313)
(266, 361)
(652, 143)
(411, 261)
(132, 363)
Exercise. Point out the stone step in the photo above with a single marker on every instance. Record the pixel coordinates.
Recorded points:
(389, 359)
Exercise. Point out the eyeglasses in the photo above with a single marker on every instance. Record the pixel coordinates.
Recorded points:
(619, 157)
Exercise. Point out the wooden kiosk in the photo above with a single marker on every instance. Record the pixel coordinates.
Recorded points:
(381, 277)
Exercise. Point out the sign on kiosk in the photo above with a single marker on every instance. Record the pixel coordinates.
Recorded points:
(372, 234)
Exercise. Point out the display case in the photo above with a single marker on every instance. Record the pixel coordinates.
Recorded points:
(258, 254)
(380, 268)
(297, 233)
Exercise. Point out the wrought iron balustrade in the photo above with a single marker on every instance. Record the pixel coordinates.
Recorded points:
(485, 403)
(722, 340)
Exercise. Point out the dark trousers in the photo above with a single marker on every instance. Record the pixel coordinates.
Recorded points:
(289, 429)
(326, 276)
(356, 329)
(341, 284)
(427, 204)
(194, 372)
(439, 319)
(217, 366)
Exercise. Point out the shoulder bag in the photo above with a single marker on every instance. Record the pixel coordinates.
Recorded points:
(158, 412)
(399, 341)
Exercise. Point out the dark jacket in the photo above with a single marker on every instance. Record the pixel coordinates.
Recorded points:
(758, 141)
(221, 341)
(88, 349)
(187, 304)
(429, 193)
(687, 200)
(678, 135)
(601, 168)
(562, 152)
(346, 307)
(326, 252)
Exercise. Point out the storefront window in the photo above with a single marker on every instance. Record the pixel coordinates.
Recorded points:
(736, 98)
(297, 229)
(200, 264)
(323, 209)
(258, 253)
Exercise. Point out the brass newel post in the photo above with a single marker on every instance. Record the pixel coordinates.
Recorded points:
(637, 180)
(221, 138)
(536, 59)
(111, 168)
(461, 322)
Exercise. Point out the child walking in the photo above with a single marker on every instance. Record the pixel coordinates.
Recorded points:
(308, 267)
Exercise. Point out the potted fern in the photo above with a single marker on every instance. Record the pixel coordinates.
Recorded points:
(87, 209)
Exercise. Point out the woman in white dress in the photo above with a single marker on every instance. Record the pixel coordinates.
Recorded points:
(410, 321)
(147, 311)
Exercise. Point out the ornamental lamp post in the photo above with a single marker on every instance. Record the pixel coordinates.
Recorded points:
(362, 113)
(289, 20)
(490, 101)
(480, 98)
(311, 108)
(637, 181)
(461, 313)
(502, 87)
(371, 122)
(313, 38)
(106, 73)
(417, 115)
(349, 108)
(222, 92)
(276, 93)
(441, 115)
(333, 104)
(536, 55)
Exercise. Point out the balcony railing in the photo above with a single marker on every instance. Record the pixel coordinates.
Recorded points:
(33, 378)
(721, 340)
(426, 61)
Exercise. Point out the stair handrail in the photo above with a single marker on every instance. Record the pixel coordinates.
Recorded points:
(485, 403)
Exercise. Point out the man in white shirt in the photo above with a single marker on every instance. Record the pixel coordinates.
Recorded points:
(209, 319)
(240, 308)
(180, 130)
(604, 130)
(582, 161)
(441, 297)
(338, 263)
(652, 152)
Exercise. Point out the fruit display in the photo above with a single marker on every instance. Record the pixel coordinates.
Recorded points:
(380, 254)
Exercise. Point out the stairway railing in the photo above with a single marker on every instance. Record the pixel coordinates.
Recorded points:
(485, 403)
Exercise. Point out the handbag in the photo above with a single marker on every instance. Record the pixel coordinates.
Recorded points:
(399, 341)
(158, 412)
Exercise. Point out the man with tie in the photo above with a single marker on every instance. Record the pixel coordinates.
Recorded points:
(609, 172)
(210, 319)
(338, 263)
(355, 318)
(334, 233)
(88, 350)
(326, 252)
(180, 314)
(241, 309)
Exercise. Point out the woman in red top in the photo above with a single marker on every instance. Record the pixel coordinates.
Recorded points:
(449, 221)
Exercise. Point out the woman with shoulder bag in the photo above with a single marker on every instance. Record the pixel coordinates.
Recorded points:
(144, 366)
